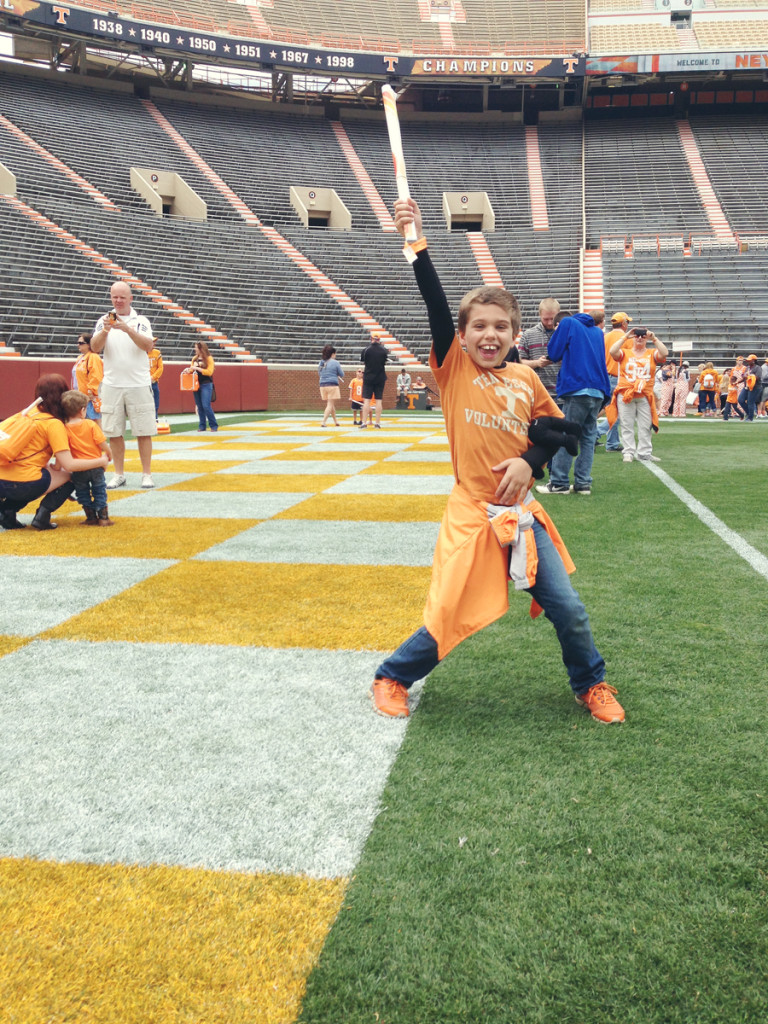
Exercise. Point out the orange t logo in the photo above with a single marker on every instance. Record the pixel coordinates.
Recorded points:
(62, 13)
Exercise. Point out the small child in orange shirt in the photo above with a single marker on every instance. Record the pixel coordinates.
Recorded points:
(87, 441)
(356, 398)
(732, 400)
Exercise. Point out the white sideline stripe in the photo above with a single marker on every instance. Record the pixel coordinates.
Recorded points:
(734, 540)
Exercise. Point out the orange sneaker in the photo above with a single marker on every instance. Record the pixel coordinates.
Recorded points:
(601, 704)
(389, 698)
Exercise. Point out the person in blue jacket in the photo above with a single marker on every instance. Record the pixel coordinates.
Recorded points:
(583, 389)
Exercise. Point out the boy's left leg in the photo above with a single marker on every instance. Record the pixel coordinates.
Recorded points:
(413, 660)
(99, 488)
(565, 610)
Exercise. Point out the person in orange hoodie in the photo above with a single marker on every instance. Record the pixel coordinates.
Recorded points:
(502, 428)
(709, 385)
(87, 441)
(633, 400)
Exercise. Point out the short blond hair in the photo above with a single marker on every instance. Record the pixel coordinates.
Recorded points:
(488, 295)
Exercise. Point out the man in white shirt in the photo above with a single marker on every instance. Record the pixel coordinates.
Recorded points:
(403, 384)
(125, 340)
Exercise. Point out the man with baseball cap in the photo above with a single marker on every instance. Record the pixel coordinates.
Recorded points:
(752, 392)
(619, 324)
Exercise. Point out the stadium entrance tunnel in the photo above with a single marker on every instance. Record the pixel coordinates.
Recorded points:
(468, 211)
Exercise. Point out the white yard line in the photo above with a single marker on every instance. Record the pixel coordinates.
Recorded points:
(756, 559)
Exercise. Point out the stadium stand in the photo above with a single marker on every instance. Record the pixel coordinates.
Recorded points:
(638, 180)
(716, 300)
(634, 37)
(548, 27)
(419, 26)
(734, 152)
(639, 196)
(726, 34)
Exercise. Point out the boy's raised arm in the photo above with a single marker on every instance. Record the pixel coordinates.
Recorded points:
(439, 312)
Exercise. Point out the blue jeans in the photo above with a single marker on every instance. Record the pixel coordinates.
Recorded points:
(613, 440)
(749, 400)
(707, 401)
(582, 409)
(90, 488)
(156, 394)
(417, 656)
(203, 404)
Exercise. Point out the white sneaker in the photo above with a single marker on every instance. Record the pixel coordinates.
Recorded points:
(147, 481)
(649, 458)
(628, 457)
(118, 480)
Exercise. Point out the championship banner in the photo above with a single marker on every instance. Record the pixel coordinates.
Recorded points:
(527, 66)
(268, 54)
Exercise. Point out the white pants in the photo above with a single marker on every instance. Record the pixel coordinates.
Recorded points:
(638, 411)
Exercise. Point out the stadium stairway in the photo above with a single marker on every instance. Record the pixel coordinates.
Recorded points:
(370, 191)
(539, 216)
(92, 192)
(485, 261)
(709, 201)
(593, 296)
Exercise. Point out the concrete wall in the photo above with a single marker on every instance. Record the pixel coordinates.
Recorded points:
(239, 387)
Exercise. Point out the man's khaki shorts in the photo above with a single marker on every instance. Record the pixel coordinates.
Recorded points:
(134, 404)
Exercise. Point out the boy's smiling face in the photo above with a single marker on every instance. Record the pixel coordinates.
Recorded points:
(487, 335)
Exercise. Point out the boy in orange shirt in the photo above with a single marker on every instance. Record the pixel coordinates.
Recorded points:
(87, 441)
(356, 397)
(493, 529)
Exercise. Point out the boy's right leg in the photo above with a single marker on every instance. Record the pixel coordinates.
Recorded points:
(565, 610)
(413, 660)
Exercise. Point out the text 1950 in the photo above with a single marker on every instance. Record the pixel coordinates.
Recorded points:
(198, 43)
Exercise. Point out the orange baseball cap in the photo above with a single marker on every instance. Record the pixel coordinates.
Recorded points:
(750, 358)
(618, 317)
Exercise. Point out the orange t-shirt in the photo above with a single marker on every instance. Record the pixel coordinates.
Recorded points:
(85, 439)
(50, 437)
(356, 390)
(636, 372)
(709, 380)
(487, 415)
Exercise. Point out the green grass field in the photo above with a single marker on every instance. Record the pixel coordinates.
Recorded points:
(532, 865)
